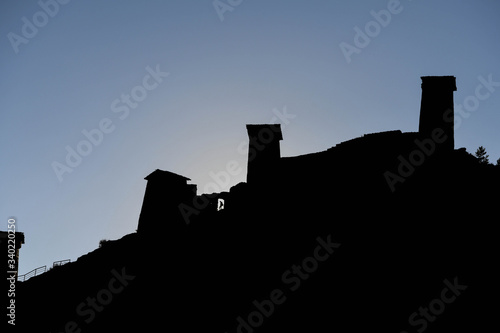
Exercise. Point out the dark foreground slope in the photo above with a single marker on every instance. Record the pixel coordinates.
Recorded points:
(323, 251)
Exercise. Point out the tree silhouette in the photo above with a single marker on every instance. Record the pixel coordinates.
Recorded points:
(481, 155)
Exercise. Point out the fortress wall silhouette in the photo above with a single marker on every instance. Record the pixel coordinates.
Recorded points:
(366, 157)
(397, 247)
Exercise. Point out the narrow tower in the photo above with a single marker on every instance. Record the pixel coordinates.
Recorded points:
(263, 152)
(436, 108)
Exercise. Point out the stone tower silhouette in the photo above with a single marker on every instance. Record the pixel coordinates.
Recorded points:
(436, 108)
(263, 152)
(165, 191)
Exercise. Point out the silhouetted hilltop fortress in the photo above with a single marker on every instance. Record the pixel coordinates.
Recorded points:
(390, 231)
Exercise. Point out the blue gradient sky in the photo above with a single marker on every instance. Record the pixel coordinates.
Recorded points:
(264, 58)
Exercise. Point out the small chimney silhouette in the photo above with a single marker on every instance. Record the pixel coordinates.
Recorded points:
(263, 152)
(436, 108)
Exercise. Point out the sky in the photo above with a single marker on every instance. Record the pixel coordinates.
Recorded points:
(96, 95)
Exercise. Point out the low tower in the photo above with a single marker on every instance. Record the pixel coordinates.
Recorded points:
(165, 191)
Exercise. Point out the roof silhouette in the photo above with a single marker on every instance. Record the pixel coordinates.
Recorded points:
(162, 174)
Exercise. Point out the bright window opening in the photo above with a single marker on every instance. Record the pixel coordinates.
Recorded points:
(220, 204)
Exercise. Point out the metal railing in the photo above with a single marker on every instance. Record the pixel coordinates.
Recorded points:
(35, 272)
(61, 262)
(41, 270)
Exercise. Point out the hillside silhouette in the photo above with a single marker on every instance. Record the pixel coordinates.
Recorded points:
(390, 232)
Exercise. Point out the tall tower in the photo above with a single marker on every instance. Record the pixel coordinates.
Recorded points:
(263, 152)
(436, 108)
